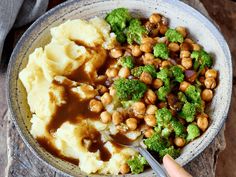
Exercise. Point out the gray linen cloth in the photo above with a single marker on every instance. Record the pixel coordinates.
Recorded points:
(15, 13)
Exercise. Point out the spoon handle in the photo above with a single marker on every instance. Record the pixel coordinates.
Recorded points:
(160, 172)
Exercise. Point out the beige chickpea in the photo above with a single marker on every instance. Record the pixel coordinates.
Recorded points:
(154, 32)
(112, 91)
(185, 54)
(112, 72)
(196, 47)
(182, 30)
(95, 106)
(187, 63)
(202, 115)
(139, 109)
(207, 95)
(174, 47)
(136, 51)
(157, 83)
(117, 117)
(183, 86)
(146, 78)
(188, 40)
(124, 169)
(124, 72)
(150, 120)
(155, 18)
(148, 133)
(101, 89)
(211, 73)
(185, 46)
(146, 47)
(148, 40)
(148, 56)
(116, 53)
(202, 123)
(210, 83)
(150, 97)
(180, 142)
(105, 117)
(151, 109)
(148, 59)
(165, 64)
(106, 98)
(163, 29)
(132, 123)
(101, 78)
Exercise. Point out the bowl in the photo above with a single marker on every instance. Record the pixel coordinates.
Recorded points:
(180, 14)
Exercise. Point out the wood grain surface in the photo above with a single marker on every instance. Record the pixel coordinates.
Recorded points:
(16, 160)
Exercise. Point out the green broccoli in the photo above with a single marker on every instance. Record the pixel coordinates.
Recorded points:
(166, 132)
(127, 104)
(135, 31)
(118, 20)
(178, 73)
(161, 50)
(147, 68)
(193, 132)
(137, 163)
(182, 97)
(174, 36)
(193, 94)
(163, 116)
(127, 61)
(179, 128)
(188, 112)
(163, 74)
(202, 59)
(162, 93)
(175, 153)
(127, 89)
(156, 142)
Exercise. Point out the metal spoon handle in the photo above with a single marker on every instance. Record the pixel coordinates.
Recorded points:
(160, 172)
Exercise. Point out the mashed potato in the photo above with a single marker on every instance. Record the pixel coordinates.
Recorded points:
(76, 45)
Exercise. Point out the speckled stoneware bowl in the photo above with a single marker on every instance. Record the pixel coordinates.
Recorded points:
(179, 14)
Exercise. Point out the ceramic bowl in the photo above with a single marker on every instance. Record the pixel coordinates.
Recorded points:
(179, 14)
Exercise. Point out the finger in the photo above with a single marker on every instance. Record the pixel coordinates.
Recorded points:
(173, 168)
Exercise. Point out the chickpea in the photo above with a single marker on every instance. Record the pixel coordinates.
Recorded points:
(150, 120)
(146, 78)
(157, 62)
(182, 30)
(105, 117)
(139, 109)
(202, 123)
(123, 128)
(150, 97)
(155, 18)
(157, 83)
(106, 98)
(136, 51)
(112, 72)
(95, 106)
(211, 73)
(154, 32)
(146, 47)
(149, 26)
(112, 91)
(149, 40)
(124, 72)
(187, 63)
(207, 95)
(148, 133)
(185, 54)
(202, 115)
(101, 78)
(151, 109)
(185, 46)
(188, 40)
(163, 29)
(180, 142)
(132, 123)
(165, 64)
(174, 47)
(196, 47)
(116, 53)
(101, 89)
(124, 169)
(183, 86)
(117, 117)
(210, 83)
(148, 58)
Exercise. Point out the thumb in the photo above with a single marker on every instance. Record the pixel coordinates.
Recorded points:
(173, 168)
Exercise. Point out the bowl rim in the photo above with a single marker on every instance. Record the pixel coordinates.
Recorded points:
(209, 23)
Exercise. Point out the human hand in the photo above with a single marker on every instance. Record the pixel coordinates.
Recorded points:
(173, 168)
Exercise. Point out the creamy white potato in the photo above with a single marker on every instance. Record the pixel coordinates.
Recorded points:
(77, 46)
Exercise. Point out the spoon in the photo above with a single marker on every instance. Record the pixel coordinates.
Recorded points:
(142, 149)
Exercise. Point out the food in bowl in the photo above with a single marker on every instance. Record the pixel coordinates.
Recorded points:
(122, 74)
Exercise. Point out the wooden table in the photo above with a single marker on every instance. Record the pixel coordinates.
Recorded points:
(17, 160)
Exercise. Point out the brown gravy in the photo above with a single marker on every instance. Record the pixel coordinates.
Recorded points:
(119, 138)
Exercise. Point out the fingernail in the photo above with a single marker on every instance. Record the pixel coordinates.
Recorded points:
(167, 156)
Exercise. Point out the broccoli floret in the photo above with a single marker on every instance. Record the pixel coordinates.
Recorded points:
(135, 31)
(202, 59)
(163, 116)
(127, 104)
(193, 132)
(129, 89)
(147, 68)
(174, 36)
(163, 74)
(188, 112)
(175, 153)
(137, 164)
(127, 61)
(161, 50)
(156, 142)
(193, 94)
(166, 132)
(182, 97)
(118, 20)
(162, 93)
(179, 128)
(178, 73)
